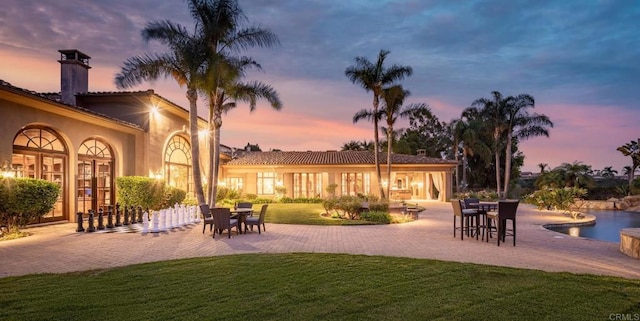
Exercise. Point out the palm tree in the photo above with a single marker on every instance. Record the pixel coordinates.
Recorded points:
(183, 62)
(221, 24)
(543, 167)
(576, 174)
(631, 149)
(508, 119)
(373, 78)
(351, 145)
(494, 111)
(521, 125)
(393, 99)
(608, 172)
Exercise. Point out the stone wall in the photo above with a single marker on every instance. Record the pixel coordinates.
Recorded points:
(628, 203)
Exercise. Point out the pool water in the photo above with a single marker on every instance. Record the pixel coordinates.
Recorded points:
(607, 227)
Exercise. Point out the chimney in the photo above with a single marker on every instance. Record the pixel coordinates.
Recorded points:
(74, 74)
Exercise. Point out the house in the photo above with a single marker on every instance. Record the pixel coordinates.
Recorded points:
(83, 140)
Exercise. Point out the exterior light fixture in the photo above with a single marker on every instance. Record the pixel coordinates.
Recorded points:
(7, 170)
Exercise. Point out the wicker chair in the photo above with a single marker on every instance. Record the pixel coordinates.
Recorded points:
(507, 211)
(469, 218)
(207, 217)
(222, 221)
(251, 221)
(244, 205)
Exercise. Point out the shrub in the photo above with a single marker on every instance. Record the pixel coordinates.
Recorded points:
(350, 206)
(25, 199)
(483, 195)
(329, 204)
(173, 195)
(250, 196)
(376, 216)
(140, 191)
(377, 206)
(562, 199)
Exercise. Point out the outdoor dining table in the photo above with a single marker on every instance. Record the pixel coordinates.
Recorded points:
(242, 215)
(488, 206)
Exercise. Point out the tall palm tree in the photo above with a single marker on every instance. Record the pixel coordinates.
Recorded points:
(576, 174)
(222, 25)
(373, 78)
(393, 100)
(183, 62)
(521, 125)
(631, 149)
(494, 111)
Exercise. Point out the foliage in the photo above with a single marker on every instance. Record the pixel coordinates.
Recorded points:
(331, 189)
(301, 200)
(250, 196)
(140, 191)
(281, 191)
(376, 216)
(378, 206)
(426, 132)
(190, 199)
(349, 206)
(329, 204)
(25, 199)
(483, 195)
(562, 199)
(172, 196)
(225, 193)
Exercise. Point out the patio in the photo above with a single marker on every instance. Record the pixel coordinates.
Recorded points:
(57, 248)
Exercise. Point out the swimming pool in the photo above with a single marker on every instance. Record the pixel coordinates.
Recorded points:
(607, 227)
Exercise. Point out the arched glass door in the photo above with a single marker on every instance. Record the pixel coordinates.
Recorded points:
(94, 183)
(39, 152)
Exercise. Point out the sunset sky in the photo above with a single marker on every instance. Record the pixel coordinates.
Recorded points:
(579, 59)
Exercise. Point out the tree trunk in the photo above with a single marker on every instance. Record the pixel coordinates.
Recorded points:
(507, 164)
(464, 169)
(496, 136)
(455, 157)
(192, 96)
(376, 146)
(389, 146)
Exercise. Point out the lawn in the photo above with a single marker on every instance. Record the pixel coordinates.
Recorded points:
(317, 287)
(305, 214)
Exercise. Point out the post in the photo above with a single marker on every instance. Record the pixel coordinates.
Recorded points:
(117, 217)
(80, 228)
(139, 214)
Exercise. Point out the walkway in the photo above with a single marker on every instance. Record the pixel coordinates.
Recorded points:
(58, 248)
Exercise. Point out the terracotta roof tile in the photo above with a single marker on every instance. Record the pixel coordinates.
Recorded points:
(330, 158)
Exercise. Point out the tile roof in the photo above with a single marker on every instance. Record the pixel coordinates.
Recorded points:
(55, 98)
(331, 158)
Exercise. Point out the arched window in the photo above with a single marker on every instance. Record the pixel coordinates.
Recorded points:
(94, 187)
(177, 163)
(39, 152)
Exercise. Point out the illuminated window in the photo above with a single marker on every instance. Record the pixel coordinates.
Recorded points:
(266, 183)
(39, 152)
(177, 164)
(307, 185)
(235, 183)
(355, 183)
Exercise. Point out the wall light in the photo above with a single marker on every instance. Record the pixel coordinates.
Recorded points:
(7, 170)
(155, 110)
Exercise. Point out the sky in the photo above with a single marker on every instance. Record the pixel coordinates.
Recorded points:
(579, 59)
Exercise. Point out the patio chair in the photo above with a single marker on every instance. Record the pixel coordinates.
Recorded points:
(222, 221)
(469, 218)
(251, 221)
(207, 217)
(507, 211)
(244, 205)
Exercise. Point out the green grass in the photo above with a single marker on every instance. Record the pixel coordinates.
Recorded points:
(316, 287)
(304, 214)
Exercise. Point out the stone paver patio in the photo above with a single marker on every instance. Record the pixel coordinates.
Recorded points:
(58, 248)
